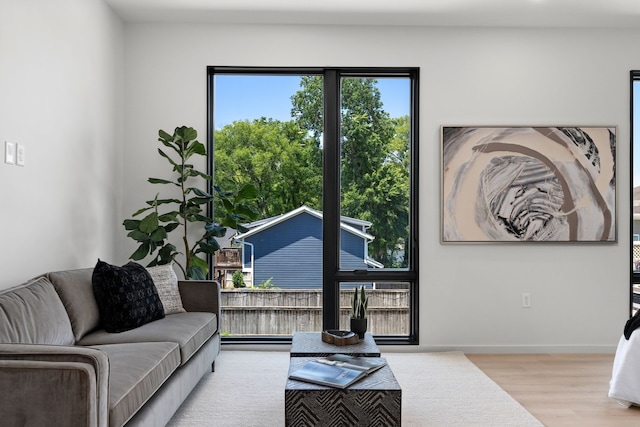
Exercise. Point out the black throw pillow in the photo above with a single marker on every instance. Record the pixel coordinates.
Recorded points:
(126, 296)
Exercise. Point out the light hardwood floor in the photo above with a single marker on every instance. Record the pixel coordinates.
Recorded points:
(560, 389)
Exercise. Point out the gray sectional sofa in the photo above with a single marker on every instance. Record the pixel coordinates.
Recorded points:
(59, 368)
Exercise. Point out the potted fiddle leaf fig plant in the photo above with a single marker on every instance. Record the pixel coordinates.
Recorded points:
(186, 213)
(359, 311)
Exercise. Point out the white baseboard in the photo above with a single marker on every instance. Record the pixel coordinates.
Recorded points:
(505, 349)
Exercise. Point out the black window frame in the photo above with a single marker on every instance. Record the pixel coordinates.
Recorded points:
(333, 276)
(635, 274)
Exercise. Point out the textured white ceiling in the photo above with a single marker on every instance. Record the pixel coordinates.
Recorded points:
(518, 13)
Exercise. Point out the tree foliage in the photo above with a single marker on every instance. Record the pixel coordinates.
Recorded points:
(374, 171)
(278, 158)
(284, 161)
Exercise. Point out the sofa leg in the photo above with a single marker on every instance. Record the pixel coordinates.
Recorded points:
(213, 366)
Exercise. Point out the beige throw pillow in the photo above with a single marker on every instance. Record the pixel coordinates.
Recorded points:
(166, 281)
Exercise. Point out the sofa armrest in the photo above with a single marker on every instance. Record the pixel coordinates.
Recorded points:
(47, 393)
(67, 368)
(201, 295)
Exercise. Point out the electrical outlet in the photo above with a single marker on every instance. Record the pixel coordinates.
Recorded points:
(20, 154)
(526, 300)
(9, 152)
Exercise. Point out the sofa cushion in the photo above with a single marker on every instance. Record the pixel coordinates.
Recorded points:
(189, 330)
(166, 281)
(126, 296)
(76, 292)
(137, 371)
(32, 313)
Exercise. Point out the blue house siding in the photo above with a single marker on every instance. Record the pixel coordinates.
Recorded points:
(290, 253)
(351, 251)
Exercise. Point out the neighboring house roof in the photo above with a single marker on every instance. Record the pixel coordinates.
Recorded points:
(258, 226)
(227, 240)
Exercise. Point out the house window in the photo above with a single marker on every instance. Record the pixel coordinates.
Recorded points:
(332, 153)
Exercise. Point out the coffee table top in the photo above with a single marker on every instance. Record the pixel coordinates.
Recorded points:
(310, 344)
(382, 379)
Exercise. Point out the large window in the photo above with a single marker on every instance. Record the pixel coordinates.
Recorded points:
(333, 154)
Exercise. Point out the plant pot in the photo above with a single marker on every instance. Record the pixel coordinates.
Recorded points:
(359, 326)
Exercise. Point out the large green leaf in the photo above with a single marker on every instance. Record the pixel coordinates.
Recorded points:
(171, 226)
(199, 200)
(247, 192)
(213, 229)
(166, 254)
(204, 176)
(149, 223)
(187, 133)
(139, 211)
(201, 218)
(169, 217)
(209, 247)
(138, 235)
(141, 252)
(246, 212)
(131, 224)
(191, 173)
(228, 206)
(164, 136)
(195, 148)
(158, 235)
(192, 209)
(167, 201)
(199, 192)
(166, 156)
(221, 193)
(196, 273)
(160, 181)
(200, 264)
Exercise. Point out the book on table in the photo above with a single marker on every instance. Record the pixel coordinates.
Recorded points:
(337, 370)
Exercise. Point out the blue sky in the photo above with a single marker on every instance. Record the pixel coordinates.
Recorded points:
(251, 97)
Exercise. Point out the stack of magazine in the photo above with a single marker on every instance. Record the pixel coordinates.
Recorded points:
(338, 370)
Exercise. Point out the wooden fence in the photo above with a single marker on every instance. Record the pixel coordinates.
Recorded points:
(283, 312)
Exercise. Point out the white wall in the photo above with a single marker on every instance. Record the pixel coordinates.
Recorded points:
(470, 295)
(61, 79)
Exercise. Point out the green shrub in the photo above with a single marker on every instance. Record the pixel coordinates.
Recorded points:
(266, 284)
(238, 279)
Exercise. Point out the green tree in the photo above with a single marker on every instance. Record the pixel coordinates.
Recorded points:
(374, 160)
(279, 158)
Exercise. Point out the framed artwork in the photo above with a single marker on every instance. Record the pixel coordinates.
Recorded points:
(528, 184)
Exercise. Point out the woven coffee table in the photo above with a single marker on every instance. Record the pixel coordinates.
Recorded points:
(308, 344)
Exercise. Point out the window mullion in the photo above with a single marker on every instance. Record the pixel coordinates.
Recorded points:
(331, 201)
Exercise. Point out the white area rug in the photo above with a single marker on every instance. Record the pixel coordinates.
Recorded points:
(438, 389)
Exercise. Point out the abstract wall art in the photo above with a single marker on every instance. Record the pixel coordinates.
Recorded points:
(528, 184)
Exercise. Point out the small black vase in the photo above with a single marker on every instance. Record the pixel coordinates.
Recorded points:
(359, 326)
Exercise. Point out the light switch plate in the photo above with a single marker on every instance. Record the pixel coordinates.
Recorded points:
(20, 154)
(9, 152)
